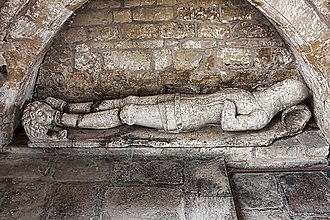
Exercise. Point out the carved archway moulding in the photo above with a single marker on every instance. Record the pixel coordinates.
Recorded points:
(29, 26)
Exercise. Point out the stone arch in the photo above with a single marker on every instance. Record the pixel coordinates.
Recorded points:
(29, 27)
(305, 26)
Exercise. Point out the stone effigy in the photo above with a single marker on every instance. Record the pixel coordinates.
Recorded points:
(233, 109)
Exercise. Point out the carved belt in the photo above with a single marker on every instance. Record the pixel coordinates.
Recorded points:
(170, 111)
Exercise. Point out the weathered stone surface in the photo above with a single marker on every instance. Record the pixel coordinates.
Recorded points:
(187, 60)
(204, 78)
(73, 201)
(21, 167)
(264, 214)
(74, 35)
(140, 79)
(229, 14)
(166, 2)
(148, 44)
(206, 179)
(122, 16)
(267, 58)
(139, 31)
(256, 191)
(210, 208)
(249, 29)
(153, 14)
(127, 60)
(80, 169)
(102, 33)
(162, 59)
(177, 30)
(308, 33)
(306, 192)
(271, 42)
(23, 200)
(8, 10)
(312, 139)
(102, 4)
(234, 58)
(134, 3)
(173, 78)
(154, 172)
(316, 217)
(241, 154)
(94, 84)
(278, 152)
(92, 18)
(143, 203)
(23, 27)
(199, 44)
(218, 31)
(87, 61)
(200, 13)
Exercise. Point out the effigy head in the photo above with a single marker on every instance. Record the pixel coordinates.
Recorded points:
(290, 92)
(37, 119)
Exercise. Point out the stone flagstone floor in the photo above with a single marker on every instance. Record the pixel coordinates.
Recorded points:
(50, 186)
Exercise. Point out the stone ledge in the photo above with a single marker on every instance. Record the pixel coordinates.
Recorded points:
(283, 153)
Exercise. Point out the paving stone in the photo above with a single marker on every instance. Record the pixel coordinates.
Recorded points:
(324, 217)
(152, 172)
(264, 214)
(23, 167)
(307, 192)
(206, 178)
(133, 203)
(84, 169)
(256, 191)
(3, 187)
(210, 208)
(23, 201)
(73, 201)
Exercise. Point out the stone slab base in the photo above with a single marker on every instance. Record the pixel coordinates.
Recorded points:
(308, 149)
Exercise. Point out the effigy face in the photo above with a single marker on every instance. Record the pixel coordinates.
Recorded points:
(226, 111)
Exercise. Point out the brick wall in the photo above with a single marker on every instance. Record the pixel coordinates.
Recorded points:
(111, 49)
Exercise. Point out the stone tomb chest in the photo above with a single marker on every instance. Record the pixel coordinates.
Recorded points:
(168, 52)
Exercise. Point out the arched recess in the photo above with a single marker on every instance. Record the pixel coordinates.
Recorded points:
(307, 32)
(31, 27)
(26, 30)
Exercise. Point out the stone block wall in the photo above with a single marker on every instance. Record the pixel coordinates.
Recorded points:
(111, 49)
